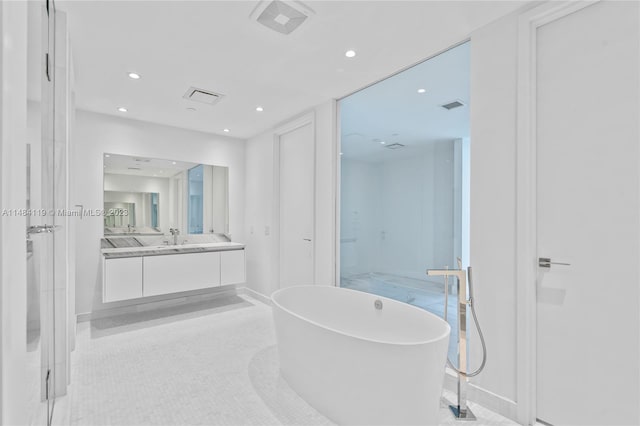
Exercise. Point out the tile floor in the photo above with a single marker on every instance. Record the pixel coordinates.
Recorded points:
(211, 363)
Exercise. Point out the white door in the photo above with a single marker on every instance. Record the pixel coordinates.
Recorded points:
(296, 206)
(587, 216)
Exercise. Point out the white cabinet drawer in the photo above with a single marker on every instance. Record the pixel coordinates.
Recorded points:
(122, 279)
(180, 272)
(232, 267)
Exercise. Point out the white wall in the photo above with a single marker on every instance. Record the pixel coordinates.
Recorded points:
(259, 204)
(98, 133)
(259, 213)
(326, 181)
(493, 201)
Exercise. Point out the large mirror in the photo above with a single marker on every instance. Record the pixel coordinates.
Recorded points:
(149, 196)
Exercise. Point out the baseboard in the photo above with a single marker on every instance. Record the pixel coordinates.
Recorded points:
(225, 291)
(494, 402)
(255, 294)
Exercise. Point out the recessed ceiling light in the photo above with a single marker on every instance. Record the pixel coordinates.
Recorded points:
(122, 109)
(134, 76)
(107, 155)
(173, 162)
(382, 142)
(421, 90)
(259, 109)
(350, 53)
(226, 130)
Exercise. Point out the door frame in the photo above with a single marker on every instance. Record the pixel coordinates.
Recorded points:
(526, 201)
(13, 190)
(308, 118)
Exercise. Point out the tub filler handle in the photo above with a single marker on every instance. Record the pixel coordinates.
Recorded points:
(378, 304)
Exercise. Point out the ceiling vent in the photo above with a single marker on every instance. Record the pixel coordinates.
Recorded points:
(394, 146)
(282, 16)
(203, 96)
(452, 105)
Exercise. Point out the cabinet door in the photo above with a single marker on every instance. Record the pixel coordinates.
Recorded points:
(181, 272)
(122, 279)
(232, 267)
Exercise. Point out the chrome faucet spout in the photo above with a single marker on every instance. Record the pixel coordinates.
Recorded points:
(175, 232)
(461, 274)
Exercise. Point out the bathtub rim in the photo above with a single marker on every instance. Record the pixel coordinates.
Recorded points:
(447, 334)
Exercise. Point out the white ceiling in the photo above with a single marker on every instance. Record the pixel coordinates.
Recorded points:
(215, 45)
(392, 111)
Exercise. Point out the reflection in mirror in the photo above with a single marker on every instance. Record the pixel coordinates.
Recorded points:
(144, 196)
(121, 210)
(195, 207)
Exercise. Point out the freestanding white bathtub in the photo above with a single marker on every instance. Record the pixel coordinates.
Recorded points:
(357, 364)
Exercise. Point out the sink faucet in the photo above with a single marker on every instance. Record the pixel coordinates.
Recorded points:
(175, 232)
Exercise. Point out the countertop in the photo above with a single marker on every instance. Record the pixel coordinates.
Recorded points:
(160, 250)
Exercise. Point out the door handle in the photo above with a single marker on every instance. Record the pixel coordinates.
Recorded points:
(545, 262)
(307, 239)
(41, 229)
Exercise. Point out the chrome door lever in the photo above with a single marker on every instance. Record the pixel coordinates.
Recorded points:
(41, 229)
(545, 262)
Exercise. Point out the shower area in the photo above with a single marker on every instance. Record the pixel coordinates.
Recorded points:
(404, 184)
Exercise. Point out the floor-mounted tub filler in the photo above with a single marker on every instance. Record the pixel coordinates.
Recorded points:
(361, 359)
(461, 411)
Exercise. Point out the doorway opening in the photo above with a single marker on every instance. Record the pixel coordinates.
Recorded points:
(404, 204)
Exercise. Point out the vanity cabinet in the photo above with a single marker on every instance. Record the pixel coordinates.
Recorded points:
(153, 275)
(122, 279)
(180, 272)
(232, 267)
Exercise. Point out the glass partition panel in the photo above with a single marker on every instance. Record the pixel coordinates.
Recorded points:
(404, 184)
(47, 234)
